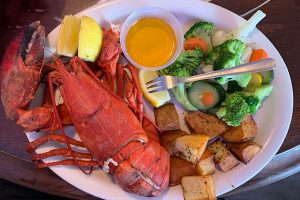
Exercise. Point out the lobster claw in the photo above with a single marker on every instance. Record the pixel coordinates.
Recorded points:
(33, 44)
(20, 72)
(34, 119)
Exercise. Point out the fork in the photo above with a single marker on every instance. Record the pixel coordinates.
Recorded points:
(167, 82)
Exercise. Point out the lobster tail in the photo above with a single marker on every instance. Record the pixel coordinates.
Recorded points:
(146, 171)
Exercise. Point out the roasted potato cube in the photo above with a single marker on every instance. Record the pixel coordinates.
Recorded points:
(191, 147)
(166, 117)
(198, 188)
(201, 123)
(246, 131)
(223, 157)
(245, 151)
(178, 169)
(168, 139)
(206, 165)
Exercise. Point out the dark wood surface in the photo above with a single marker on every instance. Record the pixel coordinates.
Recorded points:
(281, 26)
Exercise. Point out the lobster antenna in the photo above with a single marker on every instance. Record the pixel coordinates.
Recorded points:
(54, 56)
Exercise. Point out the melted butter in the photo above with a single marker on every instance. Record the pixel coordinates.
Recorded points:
(151, 42)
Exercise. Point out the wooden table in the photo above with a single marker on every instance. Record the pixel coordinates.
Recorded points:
(282, 27)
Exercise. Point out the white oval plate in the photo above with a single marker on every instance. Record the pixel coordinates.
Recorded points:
(273, 119)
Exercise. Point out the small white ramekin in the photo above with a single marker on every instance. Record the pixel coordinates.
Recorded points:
(157, 13)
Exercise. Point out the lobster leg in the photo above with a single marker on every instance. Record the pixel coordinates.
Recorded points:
(62, 138)
(60, 152)
(80, 163)
(52, 137)
(129, 91)
(120, 83)
(139, 95)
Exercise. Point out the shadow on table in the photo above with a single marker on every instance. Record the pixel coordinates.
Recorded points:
(12, 191)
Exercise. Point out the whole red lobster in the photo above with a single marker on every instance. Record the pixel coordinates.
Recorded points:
(105, 123)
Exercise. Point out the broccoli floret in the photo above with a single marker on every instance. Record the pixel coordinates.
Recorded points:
(254, 99)
(185, 64)
(253, 103)
(233, 86)
(238, 104)
(226, 60)
(229, 60)
(201, 30)
(233, 110)
(242, 32)
(176, 69)
(234, 46)
(228, 55)
(213, 55)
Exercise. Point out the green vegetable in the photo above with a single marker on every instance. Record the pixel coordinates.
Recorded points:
(234, 46)
(260, 92)
(253, 103)
(226, 60)
(238, 104)
(254, 99)
(202, 30)
(233, 110)
(185, 64)
(227, 55)
(267, 76)
(196, 94)
(243, 31)
(229, 60)
(180, 94)
(233, 86)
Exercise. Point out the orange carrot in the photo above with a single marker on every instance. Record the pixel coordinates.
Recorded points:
(194, 42)
(208, 98)
(258, 54)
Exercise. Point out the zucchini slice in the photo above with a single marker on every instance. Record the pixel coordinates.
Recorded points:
(206, 95)
(267, 76)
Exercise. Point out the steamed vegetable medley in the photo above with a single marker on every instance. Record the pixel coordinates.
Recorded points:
(207, 49)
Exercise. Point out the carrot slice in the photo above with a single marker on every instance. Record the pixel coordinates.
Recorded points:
(258, 54)
(208, 98)
(194, 42)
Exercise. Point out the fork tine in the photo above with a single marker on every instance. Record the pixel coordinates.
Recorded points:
(155, 85)
(157, 90)
(154, 80)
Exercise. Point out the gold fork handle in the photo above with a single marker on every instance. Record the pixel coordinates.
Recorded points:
(257, 66)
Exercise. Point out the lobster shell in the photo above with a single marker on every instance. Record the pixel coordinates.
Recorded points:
(113, 134)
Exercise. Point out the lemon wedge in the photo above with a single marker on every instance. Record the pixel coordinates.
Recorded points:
(67, 42)
(90, 39)
(156, 99)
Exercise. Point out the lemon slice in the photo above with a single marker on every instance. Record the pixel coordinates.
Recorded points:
(156, 99)
(90, 39)
(67, 42)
